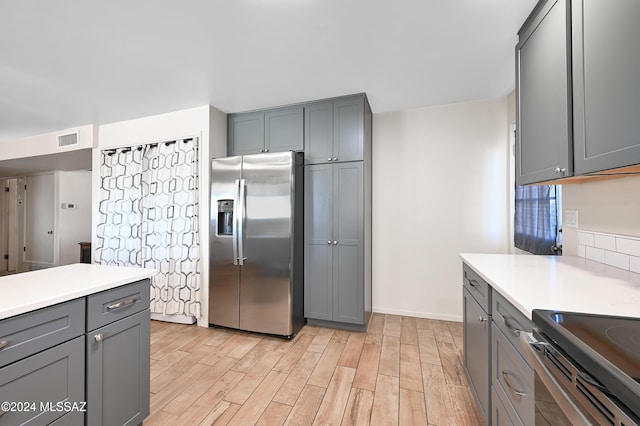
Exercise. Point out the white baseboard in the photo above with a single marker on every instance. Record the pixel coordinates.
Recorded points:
(427, 315)
(180, 319)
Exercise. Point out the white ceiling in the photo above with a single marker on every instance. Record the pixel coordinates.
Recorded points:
(67, 63)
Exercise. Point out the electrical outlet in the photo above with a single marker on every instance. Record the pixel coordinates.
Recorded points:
(570, 219)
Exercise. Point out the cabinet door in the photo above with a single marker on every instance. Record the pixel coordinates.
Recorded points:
(543, 99)
(348, 128)
(246, 134)
(477, 356)
(348, 243)
(284, 130)
(318, 145)
(49, 377)
(606, 89)
(318, 238)
(118, 372)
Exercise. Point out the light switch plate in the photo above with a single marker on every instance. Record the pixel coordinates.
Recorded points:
(570, 219)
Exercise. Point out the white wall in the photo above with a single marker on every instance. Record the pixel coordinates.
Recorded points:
(609, 206)
(440, 179)
(46, 143)
(206, 123)
(74, 225)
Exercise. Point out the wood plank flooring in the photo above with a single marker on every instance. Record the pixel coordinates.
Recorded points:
(403, 371)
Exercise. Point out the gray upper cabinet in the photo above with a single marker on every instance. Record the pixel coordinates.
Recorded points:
(246, 134)
(606, 84)
(577, 99)
(275, 130)
(543, 98)
(284, 130)
(335, 130)
(334, 243)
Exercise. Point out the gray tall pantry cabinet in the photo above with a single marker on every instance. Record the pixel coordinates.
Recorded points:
(337, 245)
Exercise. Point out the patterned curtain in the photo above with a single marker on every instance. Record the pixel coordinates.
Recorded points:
(149, 217)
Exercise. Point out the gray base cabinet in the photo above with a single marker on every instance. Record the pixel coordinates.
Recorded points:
(501, 379)
(44, 380)
(118, 371)
(476, 353)
(334, 242)
(43, 355)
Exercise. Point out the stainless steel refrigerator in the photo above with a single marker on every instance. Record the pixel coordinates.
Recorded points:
(256, 239)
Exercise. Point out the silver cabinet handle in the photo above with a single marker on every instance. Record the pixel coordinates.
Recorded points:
(266, 150)
(262, 150)
(507, 381)
(3, 344)
(329, 242)
(329, 159)
(122, 304)
(560, 171)
(473, 283)
(482, 319)
(335, 158)
(335, 243)
(99, 337)
(513, 329)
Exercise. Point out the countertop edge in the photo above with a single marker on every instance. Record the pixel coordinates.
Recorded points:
(108, 278)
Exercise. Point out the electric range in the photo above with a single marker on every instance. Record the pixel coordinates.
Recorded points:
(606, 350)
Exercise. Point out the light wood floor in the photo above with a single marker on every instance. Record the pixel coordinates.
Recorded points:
(403, 371)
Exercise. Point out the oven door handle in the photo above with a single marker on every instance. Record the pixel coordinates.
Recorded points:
(534, 350)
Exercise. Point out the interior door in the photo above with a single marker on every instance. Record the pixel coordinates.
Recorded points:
(4, 225)
(40, 219)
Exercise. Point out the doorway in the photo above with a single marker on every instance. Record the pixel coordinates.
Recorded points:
(11, 200)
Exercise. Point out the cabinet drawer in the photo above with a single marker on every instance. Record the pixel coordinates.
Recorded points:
(477, 287)
(112, 305)
(502, 413)
(512, 377)
(27, 334)
(55, 375)
(510, 321)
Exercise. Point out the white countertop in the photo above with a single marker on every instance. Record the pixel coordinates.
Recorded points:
(21, 293)
(563, 283)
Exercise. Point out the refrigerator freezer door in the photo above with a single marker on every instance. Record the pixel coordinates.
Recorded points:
(224, 274)
(266, 281)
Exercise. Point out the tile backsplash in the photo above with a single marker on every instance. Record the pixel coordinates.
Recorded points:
(620, 251)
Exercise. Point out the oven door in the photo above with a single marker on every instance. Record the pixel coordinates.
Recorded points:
(554, 402)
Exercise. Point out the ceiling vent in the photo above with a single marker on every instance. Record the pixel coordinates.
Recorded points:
(69, 139)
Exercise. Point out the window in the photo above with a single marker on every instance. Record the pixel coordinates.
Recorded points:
(538, 219)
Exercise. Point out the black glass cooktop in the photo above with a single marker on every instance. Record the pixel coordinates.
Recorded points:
(606, 347)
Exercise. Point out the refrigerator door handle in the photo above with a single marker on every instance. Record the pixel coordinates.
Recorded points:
(242, 200)
(234, 231)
